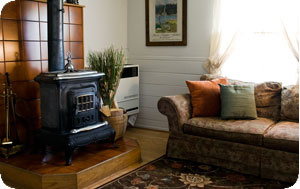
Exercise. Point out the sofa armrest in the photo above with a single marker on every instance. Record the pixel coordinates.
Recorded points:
(178, 109)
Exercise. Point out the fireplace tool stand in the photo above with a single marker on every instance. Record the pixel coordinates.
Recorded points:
(9, 147)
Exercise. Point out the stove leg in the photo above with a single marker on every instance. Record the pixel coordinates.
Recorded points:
(47, 153)
(68, 155)
(112, 140)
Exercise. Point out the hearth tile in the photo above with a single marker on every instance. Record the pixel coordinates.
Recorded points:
(31, 30)
(43, 12)
(44, 31)
(67, 32)
(1, 52)
(76, 33)
(32, 69)
(12, 51)
(2, 75)
(77, 49)
(30, 10)
(26, 90)
(15, 70)
(66, 14)
(66, 48)
(34, 107)
(32, 50)
(11, 30)
(78, 63)
(44, 50)
(1, 37)
(75, 15)
(44, 66)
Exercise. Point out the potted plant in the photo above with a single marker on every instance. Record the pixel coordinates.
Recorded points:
(110, 62)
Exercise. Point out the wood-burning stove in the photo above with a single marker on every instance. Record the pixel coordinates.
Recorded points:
(70, 105)
(69, 100)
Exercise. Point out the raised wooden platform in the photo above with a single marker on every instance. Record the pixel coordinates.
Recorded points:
(90, 165)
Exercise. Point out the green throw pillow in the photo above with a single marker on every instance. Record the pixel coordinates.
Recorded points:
(238, 102)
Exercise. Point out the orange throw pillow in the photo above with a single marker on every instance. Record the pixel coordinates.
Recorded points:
(205, 97)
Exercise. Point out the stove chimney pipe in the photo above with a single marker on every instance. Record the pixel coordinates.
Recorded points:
(56, 60)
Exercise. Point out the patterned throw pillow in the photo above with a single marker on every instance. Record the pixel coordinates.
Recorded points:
(238, 102)
(205, 97)
(290, 103)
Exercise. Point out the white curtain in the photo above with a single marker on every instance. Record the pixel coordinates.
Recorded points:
(290, 19)
(262, 37)
(222, 38)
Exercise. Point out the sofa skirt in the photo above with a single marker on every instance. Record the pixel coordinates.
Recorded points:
(238, 157)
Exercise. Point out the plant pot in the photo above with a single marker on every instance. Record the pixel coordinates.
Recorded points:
(118, 121)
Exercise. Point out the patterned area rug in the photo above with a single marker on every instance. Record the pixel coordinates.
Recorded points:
(171, 173)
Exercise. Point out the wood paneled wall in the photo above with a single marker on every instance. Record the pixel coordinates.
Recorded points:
(24, 53)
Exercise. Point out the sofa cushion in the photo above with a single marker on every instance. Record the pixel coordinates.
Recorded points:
(284, 136)
(205, 97)
(238, 102)
(267, 96)
(242, 131)
(290, 103)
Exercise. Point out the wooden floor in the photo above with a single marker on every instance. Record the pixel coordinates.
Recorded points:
(153, 145)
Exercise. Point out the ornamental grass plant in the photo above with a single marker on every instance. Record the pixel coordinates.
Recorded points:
(110, 62)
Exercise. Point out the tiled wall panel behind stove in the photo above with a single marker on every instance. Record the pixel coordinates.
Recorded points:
(24, 54)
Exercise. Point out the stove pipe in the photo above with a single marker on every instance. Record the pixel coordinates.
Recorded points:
(55, 13)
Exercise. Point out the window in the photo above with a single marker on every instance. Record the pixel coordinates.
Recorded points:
(258, 40)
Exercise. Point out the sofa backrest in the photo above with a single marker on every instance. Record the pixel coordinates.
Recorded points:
(267, 96)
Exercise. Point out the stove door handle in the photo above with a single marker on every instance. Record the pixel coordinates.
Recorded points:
(92, 127)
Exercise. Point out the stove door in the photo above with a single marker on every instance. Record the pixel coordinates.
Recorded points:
(84, 104)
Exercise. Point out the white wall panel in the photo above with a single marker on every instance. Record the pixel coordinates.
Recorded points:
(163, 70)
(105, 24)
(151, 113)
(149, 101)
(166, 79)
(161, 90)
(169, 65)
(152, 124)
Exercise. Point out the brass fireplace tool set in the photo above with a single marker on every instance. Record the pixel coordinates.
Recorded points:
(9, 147)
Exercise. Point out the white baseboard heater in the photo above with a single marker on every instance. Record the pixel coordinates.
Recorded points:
(127, 95)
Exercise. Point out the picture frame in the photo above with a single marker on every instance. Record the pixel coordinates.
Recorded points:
(166, 22)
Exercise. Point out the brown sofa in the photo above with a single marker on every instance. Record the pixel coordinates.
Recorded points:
(265, 147)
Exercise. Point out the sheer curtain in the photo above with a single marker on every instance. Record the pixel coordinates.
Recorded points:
(223, 35)
(262, 37)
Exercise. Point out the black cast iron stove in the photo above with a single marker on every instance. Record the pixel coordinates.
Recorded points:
(70, 105)
(69, 100)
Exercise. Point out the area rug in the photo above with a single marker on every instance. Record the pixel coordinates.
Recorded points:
(173, 173)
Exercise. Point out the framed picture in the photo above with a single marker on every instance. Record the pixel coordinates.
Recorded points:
(166, 22)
